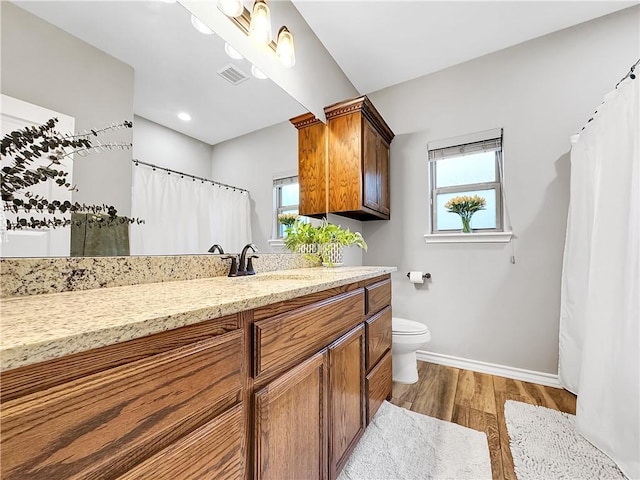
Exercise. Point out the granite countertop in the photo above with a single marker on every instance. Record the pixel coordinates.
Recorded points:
(42, 327)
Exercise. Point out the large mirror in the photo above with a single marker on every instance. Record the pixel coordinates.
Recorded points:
(104, 62)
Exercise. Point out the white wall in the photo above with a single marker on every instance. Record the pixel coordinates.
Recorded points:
(153, 143)
(251, 162)
(46, 66)
(478, 305)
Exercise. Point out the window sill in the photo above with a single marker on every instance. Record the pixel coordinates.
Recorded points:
(479, 237)
(276, 243)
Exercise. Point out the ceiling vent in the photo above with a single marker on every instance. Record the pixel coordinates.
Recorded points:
(232, 74)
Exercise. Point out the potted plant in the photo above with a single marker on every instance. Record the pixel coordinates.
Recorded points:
(301, 237)
(333, 239)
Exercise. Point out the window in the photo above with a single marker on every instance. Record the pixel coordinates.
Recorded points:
(468, 165)
(286, 198)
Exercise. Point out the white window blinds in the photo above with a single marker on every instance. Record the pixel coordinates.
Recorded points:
(479, 142)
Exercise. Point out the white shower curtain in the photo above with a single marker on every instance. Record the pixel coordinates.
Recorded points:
(599, 320)
(185, 216)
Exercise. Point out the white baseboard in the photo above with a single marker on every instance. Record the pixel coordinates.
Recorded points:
(541, 378)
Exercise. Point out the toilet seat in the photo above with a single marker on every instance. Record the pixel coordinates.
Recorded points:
(402, 326)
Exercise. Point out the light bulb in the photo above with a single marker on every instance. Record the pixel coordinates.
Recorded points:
(260, 26)
(258, 73)
(231, 8)
(285, 49)
(201, 27)
(232, 52)
(184, 116)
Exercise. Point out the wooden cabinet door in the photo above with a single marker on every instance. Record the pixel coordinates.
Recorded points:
(290, 423)
(370, 173)
(312, 165)
(384, 196)
(346, 397)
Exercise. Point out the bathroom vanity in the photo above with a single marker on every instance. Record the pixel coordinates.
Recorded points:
(273, 376)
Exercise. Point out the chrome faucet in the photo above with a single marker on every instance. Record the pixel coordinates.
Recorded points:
(215, 247)
(245, 265)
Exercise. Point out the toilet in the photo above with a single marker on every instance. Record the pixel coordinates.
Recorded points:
(407, 337)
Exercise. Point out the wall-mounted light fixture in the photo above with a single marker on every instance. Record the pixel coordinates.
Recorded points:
(257, 25)
(260, 25)
(285, 49)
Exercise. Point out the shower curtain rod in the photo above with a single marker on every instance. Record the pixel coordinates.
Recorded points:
(630, 73)
(182, 174)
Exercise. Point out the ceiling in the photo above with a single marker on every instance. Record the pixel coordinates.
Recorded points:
(376, 44)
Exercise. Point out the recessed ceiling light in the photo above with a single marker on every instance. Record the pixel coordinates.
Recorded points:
(258, 73)
(231, 8)
(184, 116)
(201, 27)
(232, 52)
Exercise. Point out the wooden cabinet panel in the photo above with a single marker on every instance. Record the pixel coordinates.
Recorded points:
(372, 179)
(378, 296)
(345, 157)
(312, 169)
(101, 425)
(288, 338)
(215, 450)
(346, 398)
(384, 186)
(378, 335)
(379, 384)
(290, 424)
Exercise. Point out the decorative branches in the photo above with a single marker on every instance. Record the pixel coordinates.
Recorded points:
(23, 148)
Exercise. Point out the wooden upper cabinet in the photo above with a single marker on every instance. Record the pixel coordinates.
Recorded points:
(347, 159)
(312, 168)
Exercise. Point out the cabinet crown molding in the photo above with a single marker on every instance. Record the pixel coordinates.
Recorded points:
(364, 105)
(304, 120)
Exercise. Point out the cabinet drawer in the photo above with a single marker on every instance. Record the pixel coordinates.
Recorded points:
(378, 296)
(288, 338)
(215, 450)
(102, 424)
(379, 383)
(378, 333)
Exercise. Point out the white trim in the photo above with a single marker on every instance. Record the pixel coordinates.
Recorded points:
(277, 245)
(288, 173)
(478, 237)
(463, 139)
(540, 378)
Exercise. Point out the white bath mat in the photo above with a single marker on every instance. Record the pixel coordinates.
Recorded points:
(400, 444)
(546, 445)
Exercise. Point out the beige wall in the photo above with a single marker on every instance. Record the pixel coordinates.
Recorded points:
(44, 65)
(478, 305)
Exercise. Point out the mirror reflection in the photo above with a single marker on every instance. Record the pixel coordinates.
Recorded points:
(97, 63)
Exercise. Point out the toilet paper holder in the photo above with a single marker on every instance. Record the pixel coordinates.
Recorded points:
(424, 275)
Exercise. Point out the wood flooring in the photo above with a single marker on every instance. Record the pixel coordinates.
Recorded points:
(476, 400)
